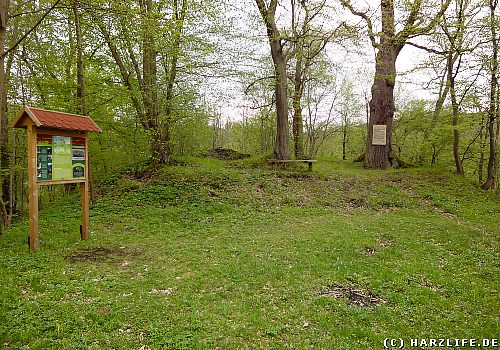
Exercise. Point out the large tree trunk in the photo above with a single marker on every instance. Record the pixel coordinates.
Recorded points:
(382, 106)
(281, 150)
(493, 109)
(382, 101)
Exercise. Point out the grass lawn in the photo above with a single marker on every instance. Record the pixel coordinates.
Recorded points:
(210, 254)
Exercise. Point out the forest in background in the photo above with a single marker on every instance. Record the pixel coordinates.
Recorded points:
(174, 78)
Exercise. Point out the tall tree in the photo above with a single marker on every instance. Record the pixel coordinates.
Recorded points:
(388, 45)
(309, 41)
(150, 79)
(141, 83)
(494, 103)
(5, 154)
(80, 68)
(4, 16)
(455, 34)
(268, 13)
(171, 68)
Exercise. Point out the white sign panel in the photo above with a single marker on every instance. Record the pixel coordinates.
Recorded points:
(379, 135)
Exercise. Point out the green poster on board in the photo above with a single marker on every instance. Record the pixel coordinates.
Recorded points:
(62, 164)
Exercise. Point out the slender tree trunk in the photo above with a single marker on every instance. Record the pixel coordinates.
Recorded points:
(4, 121)
(454, 120)
(80, 67)
(344, 136)
(480, 170)
(81, 95)
(444, 89)
(298, 129)
(493, 108)
(12, 171)
(297, 123)
(281, 150)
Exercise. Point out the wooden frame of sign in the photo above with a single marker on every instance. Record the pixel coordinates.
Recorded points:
(57, 154)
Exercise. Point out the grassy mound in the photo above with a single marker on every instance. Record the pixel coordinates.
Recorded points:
(214, 254)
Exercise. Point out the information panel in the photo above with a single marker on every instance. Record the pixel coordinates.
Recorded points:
(60, 157)
(379, 135)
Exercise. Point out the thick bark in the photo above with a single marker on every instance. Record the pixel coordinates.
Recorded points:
(281, 146)
(382, 113)
(493, 108)
(281, 150)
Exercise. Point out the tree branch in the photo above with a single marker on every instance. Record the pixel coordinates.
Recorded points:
(363, 15)
(21, 39)
(256, 81)
(428, 49)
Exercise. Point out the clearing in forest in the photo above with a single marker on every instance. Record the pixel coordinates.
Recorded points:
(227, 254)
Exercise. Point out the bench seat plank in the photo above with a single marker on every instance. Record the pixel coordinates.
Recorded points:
(286, 161)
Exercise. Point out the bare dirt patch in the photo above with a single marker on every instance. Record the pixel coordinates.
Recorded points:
(102, 254)
(369, 251)
(444, 213)
(385, 243)
(424, 282)
(353, 204)
(355, 296)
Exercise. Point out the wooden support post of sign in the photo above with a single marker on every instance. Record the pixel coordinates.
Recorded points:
(84, 190)
(33, 188)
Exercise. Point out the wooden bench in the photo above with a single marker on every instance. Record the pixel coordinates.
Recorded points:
(288, 161)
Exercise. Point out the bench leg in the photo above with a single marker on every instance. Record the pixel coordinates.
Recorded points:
(310, 164)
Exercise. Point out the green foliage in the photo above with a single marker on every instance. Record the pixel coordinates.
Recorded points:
(254, 135)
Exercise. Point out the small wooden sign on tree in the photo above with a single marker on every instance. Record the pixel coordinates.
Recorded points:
(57, 154)
(379, 135)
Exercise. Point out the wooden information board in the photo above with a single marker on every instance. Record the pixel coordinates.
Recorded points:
(57, 154)
(60, 157)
